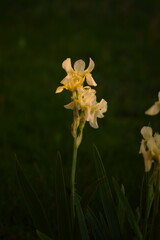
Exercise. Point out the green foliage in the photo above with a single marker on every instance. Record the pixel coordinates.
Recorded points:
(128, 211)
(32, 201)
(81, 219)
(62, 205)
(107, 198)
(43, 236)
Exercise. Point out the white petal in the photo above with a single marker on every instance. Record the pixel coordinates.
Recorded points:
(94, 124)
(59, 89)
(69, 105)
(66, 65)
(142, 149)
(151, 144)
(103, 105)
(157, 139)
(153, 110)
(90, 80)
(79, 66)
(66, 79)
(91, 65)
(146, 132)
(147, 161)
(87, 114)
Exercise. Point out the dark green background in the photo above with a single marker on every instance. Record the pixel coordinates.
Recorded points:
(123, 38)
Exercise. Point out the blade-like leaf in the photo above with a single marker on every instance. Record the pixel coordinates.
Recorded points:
(96, 226)
(43, 236)
(81, 219)
(89, 193)
(128, 210)
(107, 199)
(104, 226)
(63, 217)
(34, 205)
(121, 212)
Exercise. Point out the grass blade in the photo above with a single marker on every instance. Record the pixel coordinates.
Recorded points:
(96, 226)
(81, 219)
(63, 217)
(128, 210)
(43, 236)
(34, 205)
(89, 193)
(107, 199)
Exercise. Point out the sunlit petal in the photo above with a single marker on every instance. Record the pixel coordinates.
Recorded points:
(66, 65)
(70, 105)
(90, 80)
(79, 66)
(153, 110)
(91, 65)
(59, 89)
(146, 132)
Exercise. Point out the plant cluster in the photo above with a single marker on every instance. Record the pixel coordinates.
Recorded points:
(115, 220)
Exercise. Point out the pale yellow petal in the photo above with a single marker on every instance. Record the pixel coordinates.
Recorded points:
(94, 123)
(91, 65)
(69, 105)
(90, 80)
(146, 132)
(79, 66)
(66, 65)
(59, 89)
(66, 79)
(153, 110)
(148, 161)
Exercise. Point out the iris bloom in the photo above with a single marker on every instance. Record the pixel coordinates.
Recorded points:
(155, 108)
(76, 75)
(154, 146)
(86, 102)
(144, 150)
(150, 147)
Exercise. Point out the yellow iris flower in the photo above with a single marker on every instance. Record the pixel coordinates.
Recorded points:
(76, 75)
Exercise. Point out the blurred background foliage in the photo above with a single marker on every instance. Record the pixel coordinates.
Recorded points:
(123, 38)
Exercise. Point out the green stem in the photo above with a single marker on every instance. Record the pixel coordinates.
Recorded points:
(73, 173)
(156, 202)
(148, 204)
(77, 132)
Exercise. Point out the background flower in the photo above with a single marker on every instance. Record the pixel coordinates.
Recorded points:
(155, 108)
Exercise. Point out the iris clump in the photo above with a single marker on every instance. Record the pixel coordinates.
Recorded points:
(115, 219)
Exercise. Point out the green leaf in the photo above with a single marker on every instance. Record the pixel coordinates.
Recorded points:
(121, 212)
(107, 199)
(81, 219)
(96, 226)
(63, 217)
(89, 193)
(43, 236)
(128, 210)
(104, 226)
(34, 205)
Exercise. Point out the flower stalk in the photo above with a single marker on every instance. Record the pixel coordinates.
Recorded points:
(85, 108)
